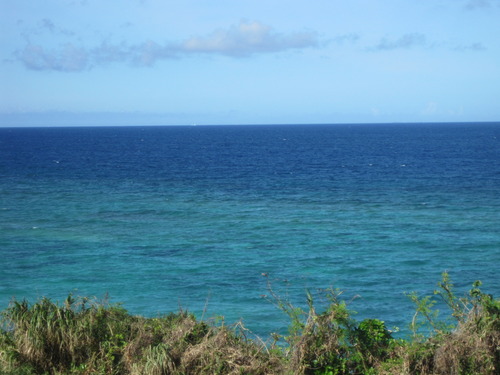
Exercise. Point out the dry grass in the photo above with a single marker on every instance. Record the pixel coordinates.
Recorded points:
(470, 347)
(84, 337)
(87, 338)
(191, 347)
(469, 350)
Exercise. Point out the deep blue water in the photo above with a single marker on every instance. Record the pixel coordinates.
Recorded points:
(169, 217)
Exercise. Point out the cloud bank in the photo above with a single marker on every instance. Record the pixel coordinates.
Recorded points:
(242, 40)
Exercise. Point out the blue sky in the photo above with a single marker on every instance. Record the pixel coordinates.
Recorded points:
(95, 62)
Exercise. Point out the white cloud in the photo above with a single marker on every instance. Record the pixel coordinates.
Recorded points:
(471, 47)
(408, 41)
(404, 42)
(248, 38)
(346, 38)
(147, 53)
(477, 4)
(242, 40)
(68, 58)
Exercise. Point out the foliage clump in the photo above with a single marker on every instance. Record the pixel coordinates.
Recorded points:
(469, 344)
(83, 337)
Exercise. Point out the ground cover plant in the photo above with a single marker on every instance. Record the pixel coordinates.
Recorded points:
(83, 336)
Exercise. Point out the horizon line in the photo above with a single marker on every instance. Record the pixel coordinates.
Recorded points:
(254, 124)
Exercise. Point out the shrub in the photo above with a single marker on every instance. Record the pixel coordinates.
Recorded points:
(83, 337)
(469, 346)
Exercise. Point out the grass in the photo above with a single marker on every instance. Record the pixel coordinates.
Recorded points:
(82, 336)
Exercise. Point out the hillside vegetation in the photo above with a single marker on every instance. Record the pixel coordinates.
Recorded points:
(82, 336)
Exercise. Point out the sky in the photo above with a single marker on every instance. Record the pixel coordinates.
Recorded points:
(184, 62)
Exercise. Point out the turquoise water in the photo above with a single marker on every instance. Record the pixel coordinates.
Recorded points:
(168, 217)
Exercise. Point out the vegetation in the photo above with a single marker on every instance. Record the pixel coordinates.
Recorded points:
(82, 336)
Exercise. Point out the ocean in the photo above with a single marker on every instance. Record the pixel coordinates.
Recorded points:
(195, 217)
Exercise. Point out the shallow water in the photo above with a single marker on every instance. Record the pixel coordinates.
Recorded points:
(191, 217)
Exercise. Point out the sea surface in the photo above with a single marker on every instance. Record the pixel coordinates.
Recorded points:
(191, 217)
